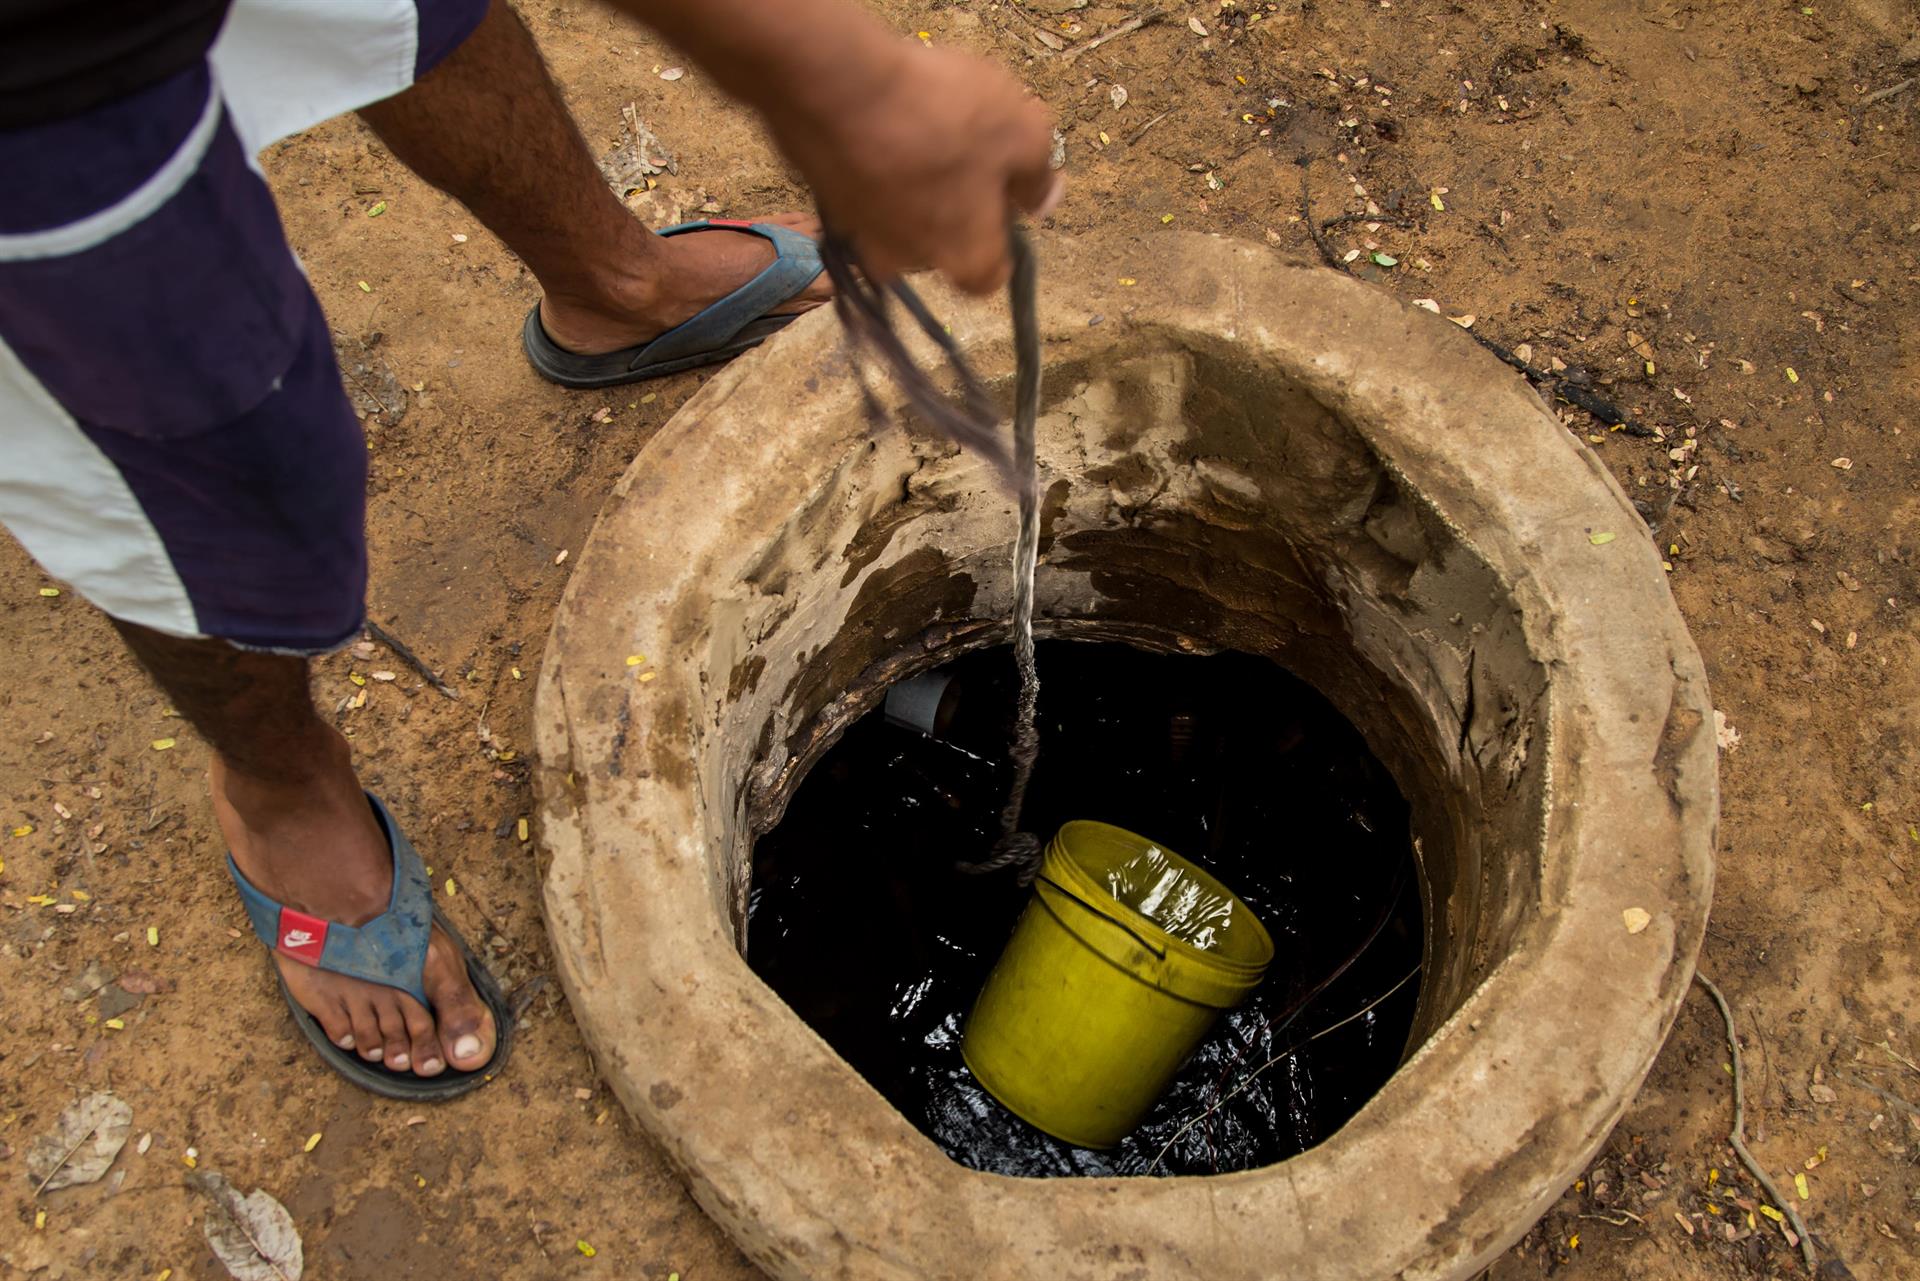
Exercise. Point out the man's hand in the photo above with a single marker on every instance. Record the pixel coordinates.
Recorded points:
(930, 171)
(920, 156)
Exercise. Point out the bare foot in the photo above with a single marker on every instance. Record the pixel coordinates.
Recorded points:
(315, 846)
(696, 272)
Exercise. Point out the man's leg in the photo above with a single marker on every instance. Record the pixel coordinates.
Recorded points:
(300, 830)
(179, 448)
(488, 127)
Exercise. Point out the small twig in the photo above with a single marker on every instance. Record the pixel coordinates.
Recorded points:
(1343, 219)
(521, 997)
(1891, 1053)
(61, 1164)
(1880, 95)
(411, 659)
(1050, 40)
(1131, 25)
(1737, 1136)
(1888, 1095)
(369, 392)
(1608, 1218)
(1313, 227)
(1291, 1050)
(480, 906)
(1141, 132)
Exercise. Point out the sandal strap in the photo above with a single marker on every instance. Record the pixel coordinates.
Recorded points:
(795, 263)
(391, 949)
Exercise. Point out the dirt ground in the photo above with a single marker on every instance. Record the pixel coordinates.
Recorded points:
(1706, 210)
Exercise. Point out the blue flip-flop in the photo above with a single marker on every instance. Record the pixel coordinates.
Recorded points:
(733, 325)
(391, 949)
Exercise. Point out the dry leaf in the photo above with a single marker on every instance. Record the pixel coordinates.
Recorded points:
(82, 1144)
(1639, 346)
(638, 157)
(253, 1235)
(1821, 1093)
(1118, 96)
(1635, 919)
(673, 73)
(1465, 322)
(1198, 27)
(91, 980)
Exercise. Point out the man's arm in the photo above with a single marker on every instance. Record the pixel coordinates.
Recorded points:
(921, 156)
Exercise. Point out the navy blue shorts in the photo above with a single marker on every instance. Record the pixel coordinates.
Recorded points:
(177, 442)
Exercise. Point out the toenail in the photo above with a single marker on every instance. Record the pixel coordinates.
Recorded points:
(376, 1054)
(346, 1042)
(398, 1060)
(466, 1047)
(430, 1066)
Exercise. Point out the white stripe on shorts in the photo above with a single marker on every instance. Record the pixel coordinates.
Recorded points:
(72, 510)
(286, 65)
(103, 225)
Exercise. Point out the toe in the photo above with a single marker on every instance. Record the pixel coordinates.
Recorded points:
(366, 1024)
(428, 1060)
(396, 1045)
(334, 1021)
(466, 1025)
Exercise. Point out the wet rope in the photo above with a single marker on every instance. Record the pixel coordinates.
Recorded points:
(865, 311)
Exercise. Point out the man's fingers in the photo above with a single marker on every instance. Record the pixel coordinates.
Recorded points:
(1034, 184)
(979, 261)
(1050, 199)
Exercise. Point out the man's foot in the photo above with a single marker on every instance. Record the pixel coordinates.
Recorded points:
(315, 846)
(687, 275)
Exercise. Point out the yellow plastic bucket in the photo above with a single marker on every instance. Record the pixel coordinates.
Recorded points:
(1094, 1004)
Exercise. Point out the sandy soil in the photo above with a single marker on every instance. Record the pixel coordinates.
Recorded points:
(1695, 204)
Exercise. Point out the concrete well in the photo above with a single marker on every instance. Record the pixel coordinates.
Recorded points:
(1238, 453)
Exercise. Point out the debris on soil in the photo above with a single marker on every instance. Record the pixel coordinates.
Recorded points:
(253, 1235)
(82, 1143)
(91, 980)
(638, 157)
(1724, 733)
(372, 387)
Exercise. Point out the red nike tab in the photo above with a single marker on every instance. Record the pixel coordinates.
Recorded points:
(302, 937)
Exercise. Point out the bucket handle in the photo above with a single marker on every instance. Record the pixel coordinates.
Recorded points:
(1158, 950)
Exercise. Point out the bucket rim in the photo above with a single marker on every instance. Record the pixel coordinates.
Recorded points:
(1080, 884)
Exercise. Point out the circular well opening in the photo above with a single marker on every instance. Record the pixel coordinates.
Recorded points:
(1253, 458)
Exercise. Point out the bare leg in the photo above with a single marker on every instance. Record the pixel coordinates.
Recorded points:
(287, 801)
(488, 127)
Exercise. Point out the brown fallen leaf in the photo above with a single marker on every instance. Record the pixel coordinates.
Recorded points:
(253, 1235)
(82, 1143)
(141, 983)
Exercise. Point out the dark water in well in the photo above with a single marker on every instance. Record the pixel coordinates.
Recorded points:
(858, 920)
